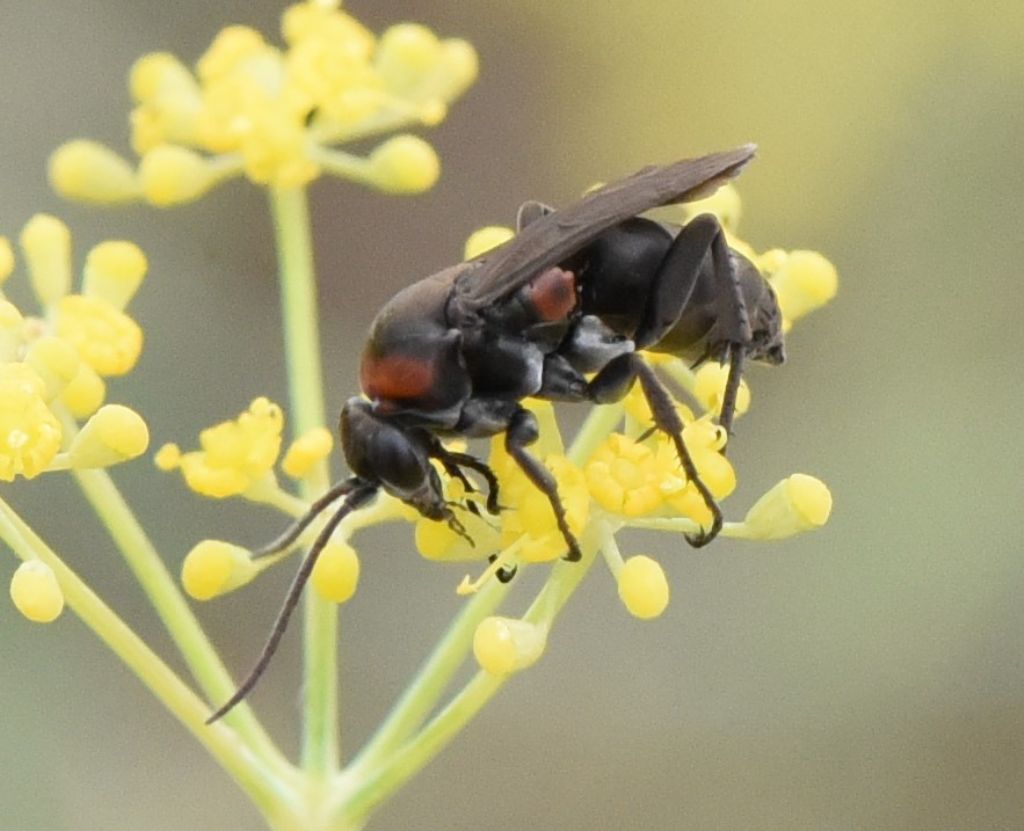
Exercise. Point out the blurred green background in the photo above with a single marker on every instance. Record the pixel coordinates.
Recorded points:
(867, 676)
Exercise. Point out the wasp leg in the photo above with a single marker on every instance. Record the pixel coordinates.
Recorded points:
(672, 288)
(474, 464)
(614, 381)
(522, 430)
(505, 573)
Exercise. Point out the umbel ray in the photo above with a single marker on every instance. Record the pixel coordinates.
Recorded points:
(563, 311)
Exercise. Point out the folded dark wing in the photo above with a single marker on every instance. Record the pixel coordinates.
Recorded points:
(551, 239)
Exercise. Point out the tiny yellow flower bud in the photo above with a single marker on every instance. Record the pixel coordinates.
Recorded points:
(85, 393)
(6, 260)
(171, 175)
(214, 567)
(796, 504)
(12, 336)
(105, 337)
(484, 239)
(504, 645)
(709, 388)
(231, 46)
(336, 573)
(459, 68)
(55, 362)
(36, 593)
(406, 54)
(235, 456)
(113, 272)
(114, 434)
(404, 164)
(168, 457)
(159, 73)
(87, 171)
(716, 472)
(308, 449)
(805, 281)
(643, 588)
(433, 112)
(46, 243)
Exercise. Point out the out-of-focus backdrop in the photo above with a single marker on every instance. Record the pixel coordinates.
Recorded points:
(866, 676)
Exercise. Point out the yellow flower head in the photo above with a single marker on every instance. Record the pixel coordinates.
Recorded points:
(276, 113)
(629, 478)
(30, 434)
(235, 456)
(105, 337)
(82, 337)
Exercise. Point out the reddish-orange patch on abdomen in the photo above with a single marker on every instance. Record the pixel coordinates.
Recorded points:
(553, 293)
(396, 377)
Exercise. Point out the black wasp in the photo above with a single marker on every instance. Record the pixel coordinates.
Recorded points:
(578, 292)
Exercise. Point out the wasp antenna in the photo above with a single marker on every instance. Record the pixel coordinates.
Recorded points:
(293, 531)
(358, 493)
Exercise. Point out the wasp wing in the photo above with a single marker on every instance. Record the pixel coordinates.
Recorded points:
(549, 239)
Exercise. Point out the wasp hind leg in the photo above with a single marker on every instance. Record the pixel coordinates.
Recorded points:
(672, 288)
(613, 382)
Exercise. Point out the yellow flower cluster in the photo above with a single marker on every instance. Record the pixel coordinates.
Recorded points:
(52, 366)
(237, 458)
(234, 456)
(275, 114)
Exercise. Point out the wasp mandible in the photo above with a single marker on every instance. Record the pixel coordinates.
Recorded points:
(562, 311)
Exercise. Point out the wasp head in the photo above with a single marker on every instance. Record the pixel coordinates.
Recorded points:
(393, 456)
(767, 344)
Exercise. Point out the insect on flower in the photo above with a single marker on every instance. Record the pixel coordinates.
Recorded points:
(579, 292)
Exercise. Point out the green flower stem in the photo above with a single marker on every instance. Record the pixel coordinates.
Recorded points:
(345, 165)
(415, 754)
(386, 772)
(430, 682)
(305, 377)
(387, 121)
(260, 782)
(170, 605)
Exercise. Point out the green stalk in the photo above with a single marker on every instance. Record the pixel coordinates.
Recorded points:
(268, 791)
(414, 755)
(429, 684)
(305, 379)
(170, 605)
